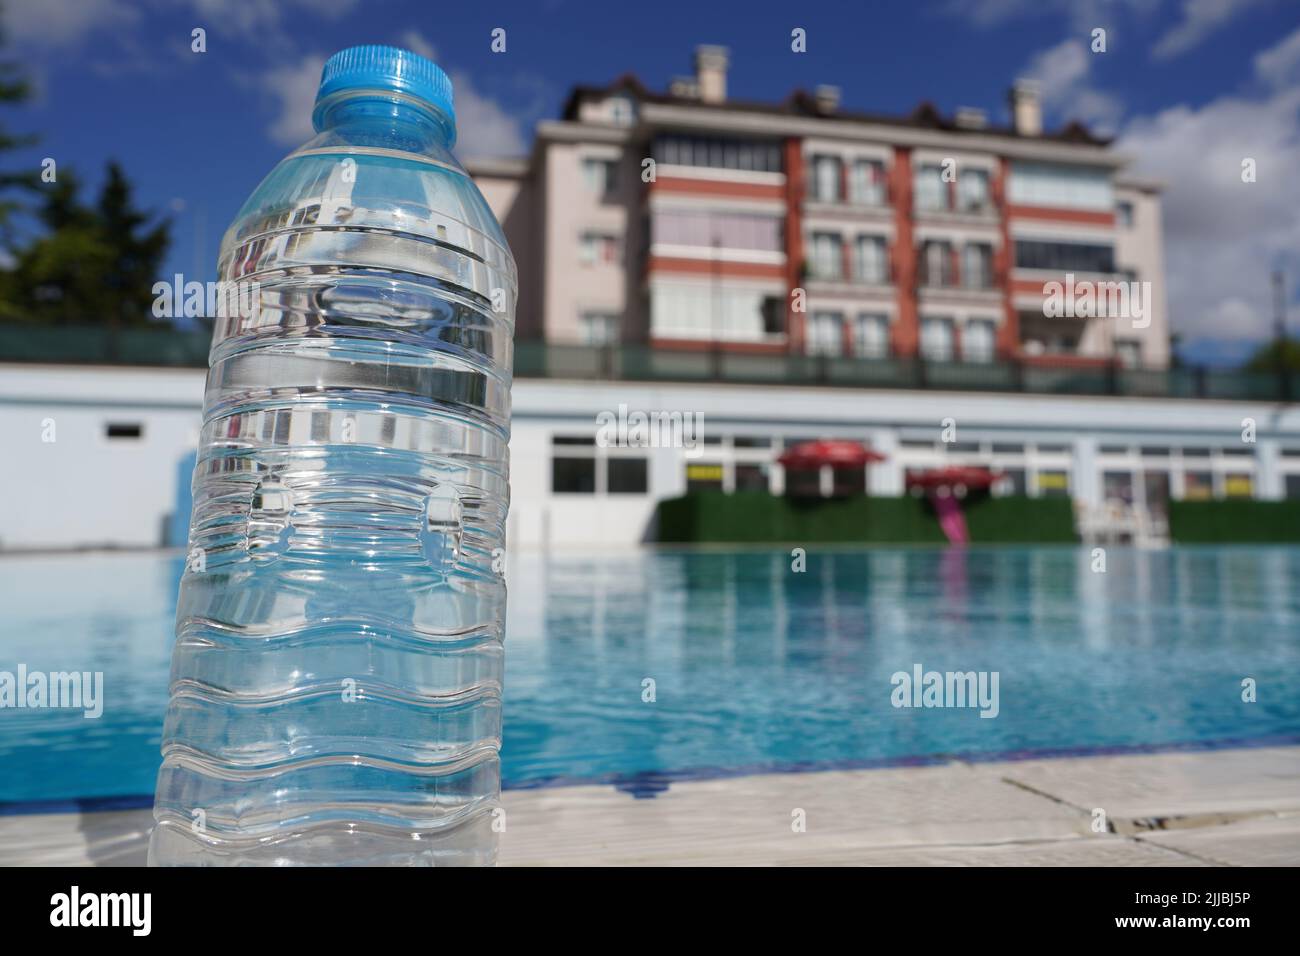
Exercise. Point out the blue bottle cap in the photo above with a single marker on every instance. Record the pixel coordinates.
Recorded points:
(387, 68)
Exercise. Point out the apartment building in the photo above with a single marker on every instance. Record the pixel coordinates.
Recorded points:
(689, 220)
(888, 273)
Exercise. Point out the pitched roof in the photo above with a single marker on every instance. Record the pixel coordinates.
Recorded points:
(801, 103)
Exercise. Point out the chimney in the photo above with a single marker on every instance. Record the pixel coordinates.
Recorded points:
(970, 117)
(1026, 108)
(827, 98)
(685, 88)
(711, 73)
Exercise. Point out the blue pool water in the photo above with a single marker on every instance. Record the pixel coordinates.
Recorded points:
(754, 666)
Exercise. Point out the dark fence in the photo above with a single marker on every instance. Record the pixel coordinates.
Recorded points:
(534, 359)
(642, 363)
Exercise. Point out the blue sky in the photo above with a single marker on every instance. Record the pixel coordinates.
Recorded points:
(1190, 87)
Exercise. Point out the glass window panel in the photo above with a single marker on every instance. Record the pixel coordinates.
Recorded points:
(937, 339)
(627, 476)
(871, 336)
(573, 475)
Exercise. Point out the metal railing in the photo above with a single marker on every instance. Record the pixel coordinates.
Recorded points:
(628, 362)
(166, 347)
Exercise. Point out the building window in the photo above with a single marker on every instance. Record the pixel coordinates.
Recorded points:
(977, 340)
(773, 309)
(704, 229)
(702, 476)
(937, 339)
(1117, 486)
(827, 257)
(870, 261)
(687, 309)
(868, 182)
(847, 482)
(1124, 214)
(123, 431)
(750, 155)
(825, 333)
(1293, 486)
(1129, 353)
(1053, 483)
(1064, 256)
(622, 111)
(1198, 486)
(598, 328)
(931, 190)
(752, 477)
(1238, 486)
(573, 476)
(973, 190)
(827, 178)
(977, 266)
(936, 263)
(627, 476)
(1056, 185)
(871, 336)
(594, 247)
(1013, 482)
(599, 175)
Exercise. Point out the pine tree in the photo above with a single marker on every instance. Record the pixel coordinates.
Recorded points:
(14, 90)
(93, 265)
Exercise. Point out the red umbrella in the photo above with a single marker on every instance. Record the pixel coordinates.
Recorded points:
(812, 455)
(966, 478)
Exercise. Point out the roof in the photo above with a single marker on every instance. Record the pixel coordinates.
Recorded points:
(801, 103)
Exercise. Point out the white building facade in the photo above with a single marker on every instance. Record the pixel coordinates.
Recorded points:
(98, 456)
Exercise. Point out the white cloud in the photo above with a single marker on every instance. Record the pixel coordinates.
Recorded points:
(1062, 74)
(68, 23)
(46, 24)
(414, 41)
(264, 21)
(1280, 65)
(1224, 237)
(295, 86)
(1199, 19)
(1082, 15)
(484, 127)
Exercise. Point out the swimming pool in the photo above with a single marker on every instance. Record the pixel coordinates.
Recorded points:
(754, 666)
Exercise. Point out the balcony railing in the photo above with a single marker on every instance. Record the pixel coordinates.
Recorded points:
(98, 345)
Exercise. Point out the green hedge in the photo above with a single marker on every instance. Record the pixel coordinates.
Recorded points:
(756, 517)
(1234, 521)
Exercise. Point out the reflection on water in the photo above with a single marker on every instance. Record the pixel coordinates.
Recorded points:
(758, 666)
(753, 665)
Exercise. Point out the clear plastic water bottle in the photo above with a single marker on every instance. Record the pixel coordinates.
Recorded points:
(336, 679)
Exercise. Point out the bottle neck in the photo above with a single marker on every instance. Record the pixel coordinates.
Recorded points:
(385, 108)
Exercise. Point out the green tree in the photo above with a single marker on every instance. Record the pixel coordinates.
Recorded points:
(94, 264)
(14, 90)
(1267, 358)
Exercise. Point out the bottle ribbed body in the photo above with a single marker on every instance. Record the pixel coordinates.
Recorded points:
(337, 672)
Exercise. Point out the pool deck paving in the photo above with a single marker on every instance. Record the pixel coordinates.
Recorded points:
(1238, 807)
